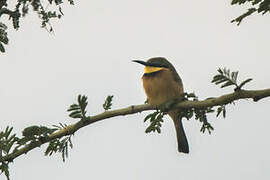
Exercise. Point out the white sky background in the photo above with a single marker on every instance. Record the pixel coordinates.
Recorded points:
(91, 53)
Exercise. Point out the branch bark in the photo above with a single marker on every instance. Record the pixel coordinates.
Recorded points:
(71, 129)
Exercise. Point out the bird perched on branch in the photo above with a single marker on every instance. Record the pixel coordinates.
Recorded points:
(162, 84)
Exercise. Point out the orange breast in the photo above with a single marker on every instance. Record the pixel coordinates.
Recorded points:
(161, 87)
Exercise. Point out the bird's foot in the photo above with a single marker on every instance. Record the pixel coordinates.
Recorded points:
(165, 107)
(146, 101)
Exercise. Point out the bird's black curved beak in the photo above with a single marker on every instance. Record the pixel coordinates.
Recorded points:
(141, 62)
(151, 64)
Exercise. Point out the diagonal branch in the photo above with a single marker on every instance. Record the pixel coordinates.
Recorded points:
(71, 129)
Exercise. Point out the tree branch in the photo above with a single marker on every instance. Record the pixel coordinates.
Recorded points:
(13, 14)
(71, 129)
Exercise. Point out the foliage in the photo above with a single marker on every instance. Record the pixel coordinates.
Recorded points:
(228, 79)
(221, 108)
(10, 143)
(155, 119)
(108, 103)
(51, 9)
(199, 114)
(60, 144)
(259, 6)
(46, 10)
(78, 110)
(3, 36)
(7, 140)
(59, 137)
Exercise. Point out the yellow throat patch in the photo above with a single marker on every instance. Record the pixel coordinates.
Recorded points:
(149, 69)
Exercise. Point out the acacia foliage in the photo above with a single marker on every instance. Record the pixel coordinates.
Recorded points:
(51, 9)
(259, 6)
(45, 10)
(59, 137)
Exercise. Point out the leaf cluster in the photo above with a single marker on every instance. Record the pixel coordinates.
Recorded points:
(46, 11)
(10, 143)
(228, 78)
(221, 109)
(30, 134)
(156, 120)
(199, 114)
(3, 36)
(259, 6)
(224, 78)
(7, 140)
(36, 135)
(108, 103)
(60, 145)
(78, 110)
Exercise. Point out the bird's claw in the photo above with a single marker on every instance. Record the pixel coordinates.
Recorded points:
(146, 101)
(165, 107)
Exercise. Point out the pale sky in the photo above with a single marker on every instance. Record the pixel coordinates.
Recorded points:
(91, 52)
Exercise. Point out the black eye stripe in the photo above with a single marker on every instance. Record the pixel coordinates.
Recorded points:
(153, 64)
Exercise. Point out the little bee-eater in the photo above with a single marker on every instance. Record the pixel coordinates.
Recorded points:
(162, 84)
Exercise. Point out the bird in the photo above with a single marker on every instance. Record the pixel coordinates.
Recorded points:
(162, 84)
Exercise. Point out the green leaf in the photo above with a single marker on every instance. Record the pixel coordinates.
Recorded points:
(220, 81)
(5, 169)
(75, 113)
(78, 110)
(218, 77)
(156, 120)
(8, 131)
(2, 49)
(148, 130)
(228, 83)
(226, 77)
(224, 112)
(4, 39)
(60, 145)
(220, 71)
(219, 110)
(108, 103)
(148, 117)
(239, 19)
(158, 129)
(234, 76)
(79, 98)
(73, 107)
(244, 82)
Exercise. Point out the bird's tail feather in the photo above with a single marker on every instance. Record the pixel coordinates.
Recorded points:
(180, 133)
